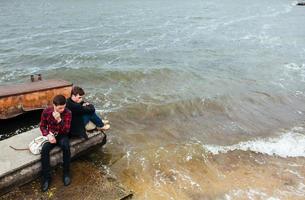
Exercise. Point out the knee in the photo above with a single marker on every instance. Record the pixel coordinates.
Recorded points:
(45, 149)
(86, 117)
(65, 145)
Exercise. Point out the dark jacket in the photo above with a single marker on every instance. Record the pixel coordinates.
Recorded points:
(77, 124)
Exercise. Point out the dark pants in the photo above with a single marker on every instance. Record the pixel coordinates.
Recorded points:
(63, 142)
(93, 118)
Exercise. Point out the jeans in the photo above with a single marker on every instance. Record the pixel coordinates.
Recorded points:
(63, 142)
(93, 118)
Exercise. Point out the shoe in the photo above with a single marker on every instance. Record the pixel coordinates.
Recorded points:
(66, 180)
(45, 185)
(104, 128)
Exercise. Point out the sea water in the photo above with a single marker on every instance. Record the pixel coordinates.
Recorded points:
(205, 98)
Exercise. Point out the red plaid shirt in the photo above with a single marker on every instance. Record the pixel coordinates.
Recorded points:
(49, 124)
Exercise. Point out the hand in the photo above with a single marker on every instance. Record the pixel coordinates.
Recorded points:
(86, 104)
(51, 138)
(56, 116)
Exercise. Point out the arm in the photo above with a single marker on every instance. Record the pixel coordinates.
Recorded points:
(65, 124)
(44, 123)
(79, 109)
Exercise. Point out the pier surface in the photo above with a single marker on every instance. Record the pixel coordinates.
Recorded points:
(20, 167)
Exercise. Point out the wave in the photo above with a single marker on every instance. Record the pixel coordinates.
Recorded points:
(295, 71)
(110, 75)
(288, 144)
(95, 74)
(255, 109)
(272, 13)
(50, 34)
(17, 75)
(151, 109)
(190, 169)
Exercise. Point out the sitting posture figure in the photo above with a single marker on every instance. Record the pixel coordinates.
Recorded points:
(82, 113)
(55, 124)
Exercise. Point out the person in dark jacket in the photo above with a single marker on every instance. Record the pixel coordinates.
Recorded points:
(82, 113)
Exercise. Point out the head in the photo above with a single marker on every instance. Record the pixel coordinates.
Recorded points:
(59, 103)
(77, 94)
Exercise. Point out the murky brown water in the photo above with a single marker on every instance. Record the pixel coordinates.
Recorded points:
(189, 172)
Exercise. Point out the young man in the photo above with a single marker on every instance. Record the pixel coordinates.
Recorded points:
(55, 124)
(82, 113)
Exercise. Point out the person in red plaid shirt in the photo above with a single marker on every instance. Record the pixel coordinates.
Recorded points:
(55, 125)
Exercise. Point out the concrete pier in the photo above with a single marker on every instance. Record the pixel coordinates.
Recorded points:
(20, 167)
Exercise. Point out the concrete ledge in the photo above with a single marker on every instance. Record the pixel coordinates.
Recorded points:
(20, 167)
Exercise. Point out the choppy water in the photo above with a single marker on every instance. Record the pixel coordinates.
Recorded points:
(206, 98)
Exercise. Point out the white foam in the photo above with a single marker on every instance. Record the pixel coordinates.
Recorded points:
(288, 144)
(295, 71)
(249, 193)
(295, 67)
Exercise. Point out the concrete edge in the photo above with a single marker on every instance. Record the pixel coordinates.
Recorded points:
(30, 171)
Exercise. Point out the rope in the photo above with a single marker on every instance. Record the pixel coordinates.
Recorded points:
(18, 149)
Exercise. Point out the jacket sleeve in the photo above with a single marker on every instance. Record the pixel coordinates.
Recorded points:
(65, 124)
(44, 123)
(79, 109)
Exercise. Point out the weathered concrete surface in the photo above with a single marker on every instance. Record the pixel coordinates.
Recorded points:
(20, 167)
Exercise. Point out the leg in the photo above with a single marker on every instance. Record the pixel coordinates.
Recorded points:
(94, 118)
(45, 161)
(86, 119)
(63, 142)
(45, 164)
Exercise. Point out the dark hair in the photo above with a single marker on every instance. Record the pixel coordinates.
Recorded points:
(59, 100)
(77, 90)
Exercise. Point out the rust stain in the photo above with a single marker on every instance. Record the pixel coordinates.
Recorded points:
(20, 98)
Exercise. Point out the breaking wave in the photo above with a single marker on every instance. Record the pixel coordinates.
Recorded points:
(288, 144)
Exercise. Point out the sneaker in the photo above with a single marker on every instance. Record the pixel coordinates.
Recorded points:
(45, 185)
(66, 179)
